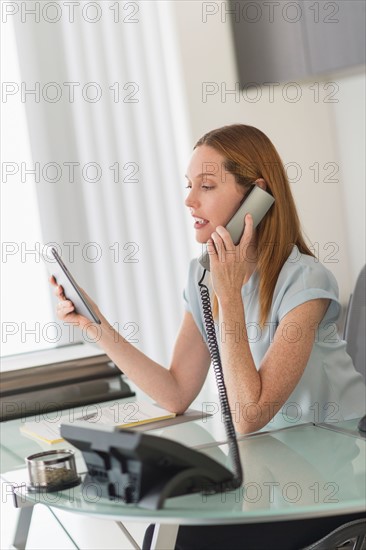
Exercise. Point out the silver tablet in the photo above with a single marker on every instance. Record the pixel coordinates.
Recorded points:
(71, 288)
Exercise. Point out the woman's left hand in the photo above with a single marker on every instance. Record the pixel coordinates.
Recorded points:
(229, 264)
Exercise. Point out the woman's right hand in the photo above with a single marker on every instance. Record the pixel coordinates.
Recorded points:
(65, 309)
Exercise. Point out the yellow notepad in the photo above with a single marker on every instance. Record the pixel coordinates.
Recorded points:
(44, 430)
(120, 415)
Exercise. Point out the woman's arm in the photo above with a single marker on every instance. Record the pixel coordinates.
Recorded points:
(281, 368)
(268, 387)
(173, 388)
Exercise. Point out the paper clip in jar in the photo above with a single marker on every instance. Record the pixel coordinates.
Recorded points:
(52, 471)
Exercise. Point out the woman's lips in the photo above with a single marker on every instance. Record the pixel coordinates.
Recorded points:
(200, 223)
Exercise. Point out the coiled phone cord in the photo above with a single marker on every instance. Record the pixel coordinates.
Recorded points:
(213, 347)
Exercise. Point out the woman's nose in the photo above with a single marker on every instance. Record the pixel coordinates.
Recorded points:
(191, 200)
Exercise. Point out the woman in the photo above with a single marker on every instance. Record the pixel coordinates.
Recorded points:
(274, 303)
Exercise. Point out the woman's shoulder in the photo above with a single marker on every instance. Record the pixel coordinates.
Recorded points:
(303, 278)
(306, 271)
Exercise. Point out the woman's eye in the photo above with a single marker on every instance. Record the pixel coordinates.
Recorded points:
(204, 187)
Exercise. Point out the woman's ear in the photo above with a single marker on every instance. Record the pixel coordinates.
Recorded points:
(261, 183)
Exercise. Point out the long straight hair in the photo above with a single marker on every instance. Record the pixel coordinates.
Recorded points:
(249, 155)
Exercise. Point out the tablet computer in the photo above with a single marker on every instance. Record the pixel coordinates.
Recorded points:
(71, 288)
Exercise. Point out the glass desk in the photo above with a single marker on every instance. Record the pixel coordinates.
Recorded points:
(303, 471)
(349, 427)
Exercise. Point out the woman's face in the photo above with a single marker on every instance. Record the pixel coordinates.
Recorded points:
(214, 196)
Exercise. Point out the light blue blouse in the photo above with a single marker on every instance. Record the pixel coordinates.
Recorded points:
(330, 389)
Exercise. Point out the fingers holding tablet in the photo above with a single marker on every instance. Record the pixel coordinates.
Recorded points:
(63, 308)
(58, 291)
(71, 297)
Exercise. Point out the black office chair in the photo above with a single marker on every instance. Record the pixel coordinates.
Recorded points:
(352, 533)
(355, 324)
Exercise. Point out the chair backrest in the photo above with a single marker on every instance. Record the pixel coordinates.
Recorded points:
(353, 530)
(355, 325)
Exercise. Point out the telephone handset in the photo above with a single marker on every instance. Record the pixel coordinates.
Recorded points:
(257, 203)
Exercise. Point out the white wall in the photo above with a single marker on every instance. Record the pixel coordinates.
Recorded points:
(348, 118)
(316, 121)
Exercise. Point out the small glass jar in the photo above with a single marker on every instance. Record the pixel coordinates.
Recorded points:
(52, 471)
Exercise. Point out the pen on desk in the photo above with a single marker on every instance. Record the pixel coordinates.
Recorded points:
(87, 416)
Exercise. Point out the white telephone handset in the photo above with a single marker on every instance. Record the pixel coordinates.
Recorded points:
(257, 203)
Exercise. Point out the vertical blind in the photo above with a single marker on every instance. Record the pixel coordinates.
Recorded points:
(110, 137)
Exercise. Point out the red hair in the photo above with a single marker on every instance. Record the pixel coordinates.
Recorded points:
(250, 155)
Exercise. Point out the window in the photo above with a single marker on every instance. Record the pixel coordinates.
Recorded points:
(26, 304)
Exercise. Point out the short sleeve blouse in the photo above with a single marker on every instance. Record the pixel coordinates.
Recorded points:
(330, 389)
